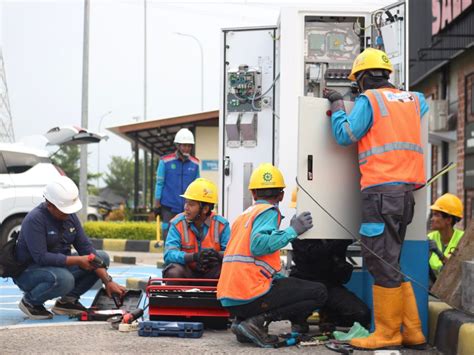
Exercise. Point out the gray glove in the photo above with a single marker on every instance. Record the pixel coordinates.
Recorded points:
(335, 98)
(434, 248)
(302, 222)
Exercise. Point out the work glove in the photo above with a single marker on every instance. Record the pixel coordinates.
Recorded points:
(434, 249)
(206, 259)
(335, 98)
(302, 222)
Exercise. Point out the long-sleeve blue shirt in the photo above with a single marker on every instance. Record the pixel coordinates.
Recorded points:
(173, 176)
(173, 251)
(350, 128)
(265, 238)
(47, 241)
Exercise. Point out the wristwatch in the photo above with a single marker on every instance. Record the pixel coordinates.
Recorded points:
(108, 279)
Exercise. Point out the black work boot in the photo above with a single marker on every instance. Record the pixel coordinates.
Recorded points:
(254, 330)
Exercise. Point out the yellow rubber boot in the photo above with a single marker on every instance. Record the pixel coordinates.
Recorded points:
(388, 309)
(412, 334)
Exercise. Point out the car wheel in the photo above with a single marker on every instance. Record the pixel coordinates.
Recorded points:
(8, 228)
(92, 218)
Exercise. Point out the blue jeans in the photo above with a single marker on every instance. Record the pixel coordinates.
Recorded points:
(42, 283)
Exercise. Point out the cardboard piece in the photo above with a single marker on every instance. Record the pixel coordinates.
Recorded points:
(448, 286)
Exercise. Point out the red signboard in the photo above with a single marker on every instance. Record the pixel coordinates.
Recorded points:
(445, 11)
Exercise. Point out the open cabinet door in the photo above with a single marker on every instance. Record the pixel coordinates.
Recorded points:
(390, 34)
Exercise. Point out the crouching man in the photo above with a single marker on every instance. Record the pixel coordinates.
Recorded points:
(250, 286)
(197, 237)
(47, 234)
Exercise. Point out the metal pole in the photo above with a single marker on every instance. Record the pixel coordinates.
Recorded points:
(85, 113)
(144, 62)
(98, 146)
(202, 64)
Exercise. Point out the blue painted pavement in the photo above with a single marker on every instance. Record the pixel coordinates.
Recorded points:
(10, 295)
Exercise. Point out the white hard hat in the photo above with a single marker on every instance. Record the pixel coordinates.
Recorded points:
(63, 193)
(184, 136)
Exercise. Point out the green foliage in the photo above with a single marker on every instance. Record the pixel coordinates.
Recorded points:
(120, 176)
(121, 230)
(67, 158)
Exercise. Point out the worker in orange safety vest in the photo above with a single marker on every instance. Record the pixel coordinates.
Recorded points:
(386, 124)
(251, 287)
(197, 237)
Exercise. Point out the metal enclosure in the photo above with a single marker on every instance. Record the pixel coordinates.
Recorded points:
(247, 122)
(316, 50)
(328, 172)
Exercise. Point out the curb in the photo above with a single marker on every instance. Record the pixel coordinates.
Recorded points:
(147, 246)
(136, 283)
(450, 329)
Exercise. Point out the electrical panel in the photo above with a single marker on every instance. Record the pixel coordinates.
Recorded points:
(331, 45)
(244, 89)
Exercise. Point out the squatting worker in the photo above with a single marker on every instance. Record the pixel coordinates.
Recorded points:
(386, 124)
(250, 286)
(197, 237)
(47, 235)
(324, 261)
(174, 174)
(444, 237)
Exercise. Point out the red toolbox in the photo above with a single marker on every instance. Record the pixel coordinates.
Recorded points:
(192, 300)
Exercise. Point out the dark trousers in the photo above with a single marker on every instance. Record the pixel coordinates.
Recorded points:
(166, 216)
(392, 205)
(289, 298)
(179, 271)
(343, 308)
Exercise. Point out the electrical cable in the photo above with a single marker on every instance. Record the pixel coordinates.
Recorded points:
(438, 174)
(262, 95)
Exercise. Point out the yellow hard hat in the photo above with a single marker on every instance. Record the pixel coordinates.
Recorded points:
(202, 190)
(266, 176)
(450, 204)
(370, 58)
(294, 197)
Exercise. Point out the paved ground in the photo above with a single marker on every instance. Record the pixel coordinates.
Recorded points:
(62, 335)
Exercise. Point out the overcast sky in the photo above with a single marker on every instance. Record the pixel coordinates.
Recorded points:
(42, 47)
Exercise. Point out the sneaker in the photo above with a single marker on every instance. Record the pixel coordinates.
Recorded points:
(68, 308)
(253, 329)
(34, 312)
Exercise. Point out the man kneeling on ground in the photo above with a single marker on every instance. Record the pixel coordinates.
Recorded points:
(250, 286)
(47, 234)
(197, 237)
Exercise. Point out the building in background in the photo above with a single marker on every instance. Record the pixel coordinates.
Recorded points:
(442, 67)
(155, 137)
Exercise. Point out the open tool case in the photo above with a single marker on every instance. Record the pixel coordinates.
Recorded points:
(192, 300)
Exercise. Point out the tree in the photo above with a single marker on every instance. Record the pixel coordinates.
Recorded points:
(67, 158)
(120, 176)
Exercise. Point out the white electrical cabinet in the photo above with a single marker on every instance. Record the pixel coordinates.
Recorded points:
(272, 110)
(247, 121)
(327, 172)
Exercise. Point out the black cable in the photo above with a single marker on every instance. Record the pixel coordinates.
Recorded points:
(361, 242)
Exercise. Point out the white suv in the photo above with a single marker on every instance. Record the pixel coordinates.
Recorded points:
(24, 172)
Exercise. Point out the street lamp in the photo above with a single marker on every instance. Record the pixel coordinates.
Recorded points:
(98, 145)
(202, 64)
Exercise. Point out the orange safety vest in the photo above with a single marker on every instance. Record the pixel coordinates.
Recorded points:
(189, 242)
(243, 275)
(391, 150)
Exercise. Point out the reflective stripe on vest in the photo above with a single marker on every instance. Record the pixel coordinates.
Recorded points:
(249, 259)
(391, 146)
(391, 150)
(189, 241)
(245, 276)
